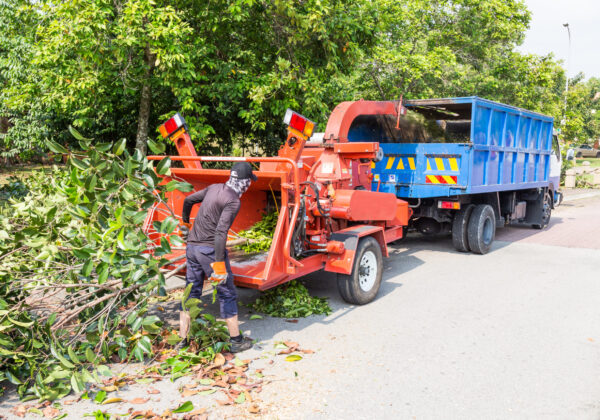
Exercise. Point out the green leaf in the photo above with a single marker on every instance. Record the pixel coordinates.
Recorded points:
(61, 358)
(255, 317)
(77, 383)
(119, 147)
(77, 134)
(100, 397)
(152, 319)
(168, 225)
(86, 270)
(157, 148)
(241, 398)
(90, 356)
(72, 355)
(184, 408)
(163, 166)
(55, 147)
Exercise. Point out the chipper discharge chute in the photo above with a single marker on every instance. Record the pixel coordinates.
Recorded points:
(328, 217)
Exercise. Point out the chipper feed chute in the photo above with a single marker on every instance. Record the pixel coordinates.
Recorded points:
(327, 216)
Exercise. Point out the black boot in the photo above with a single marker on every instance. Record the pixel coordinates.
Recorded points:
(239, 345)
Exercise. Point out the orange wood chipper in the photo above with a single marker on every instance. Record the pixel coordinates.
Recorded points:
(328, 217)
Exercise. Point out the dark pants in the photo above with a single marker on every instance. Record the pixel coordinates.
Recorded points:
(199, 259)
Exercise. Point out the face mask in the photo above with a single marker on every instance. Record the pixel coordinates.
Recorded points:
(240, 186)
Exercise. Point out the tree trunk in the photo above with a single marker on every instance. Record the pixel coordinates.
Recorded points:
(141, 139)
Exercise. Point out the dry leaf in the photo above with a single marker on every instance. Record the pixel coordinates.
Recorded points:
(307, 351)
(139, 400)
(254, 409)
(20, 410)
(50, 412)
(197, 412)
(229, 356)
(69, 402)
(221, 384)
(110, 388)
(153, 391)
(189, 392)
(291, 344)
(293, 321)
(224, 402)
(111, 401)
(286, 351)
(219, 360)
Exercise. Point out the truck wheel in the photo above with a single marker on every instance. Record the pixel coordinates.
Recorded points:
(598, 154)
(579, 154)
(481, 229)
(361, 286)
(460, 224)
(546, 212)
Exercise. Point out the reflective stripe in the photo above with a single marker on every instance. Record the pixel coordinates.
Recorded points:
(449, 179)
(400, 164)
(453, 164)
(390, 163)
(432, 179)
(411, 163)
(428, 165)
(439, 162)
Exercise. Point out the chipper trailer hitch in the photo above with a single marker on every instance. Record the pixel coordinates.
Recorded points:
(328, 217)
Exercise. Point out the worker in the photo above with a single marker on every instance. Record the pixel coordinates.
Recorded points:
(206, 252)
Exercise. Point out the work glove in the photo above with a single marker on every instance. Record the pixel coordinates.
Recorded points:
(185, 230)
(219, 272)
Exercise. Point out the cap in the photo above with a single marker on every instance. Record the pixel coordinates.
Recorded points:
(242, 170)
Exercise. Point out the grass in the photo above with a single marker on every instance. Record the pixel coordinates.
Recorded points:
(594, 162)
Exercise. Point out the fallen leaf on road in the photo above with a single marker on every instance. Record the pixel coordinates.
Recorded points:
(110, 388)
(20, 410)
(307, 351)
(112, 400)
(153, 391)
(293, 358)
(184, 408)
(293, 321)
(50, 412)
(254, 409)
(219, 360)
(189, 392)
(229, 356)
(240, 399)
(139, 400)
(69, 402)
(224, 402)
(197, 412)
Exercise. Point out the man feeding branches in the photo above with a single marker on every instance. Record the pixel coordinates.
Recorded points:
(206, 253)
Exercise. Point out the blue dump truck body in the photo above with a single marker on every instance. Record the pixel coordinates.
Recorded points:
(503, 148)
(466, 166)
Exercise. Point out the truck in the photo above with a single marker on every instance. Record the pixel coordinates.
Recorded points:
(465, 165)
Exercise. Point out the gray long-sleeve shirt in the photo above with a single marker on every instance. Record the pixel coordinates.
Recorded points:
(220, 206)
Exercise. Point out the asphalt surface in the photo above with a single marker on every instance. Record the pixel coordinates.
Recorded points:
(514, 334)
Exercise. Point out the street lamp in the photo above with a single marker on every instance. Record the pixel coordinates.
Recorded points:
(564, 121)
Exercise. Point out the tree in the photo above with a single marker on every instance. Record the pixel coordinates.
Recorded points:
(583, 105)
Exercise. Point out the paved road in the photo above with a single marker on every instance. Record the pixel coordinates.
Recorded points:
(514, 334)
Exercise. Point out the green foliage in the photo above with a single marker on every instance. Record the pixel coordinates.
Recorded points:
(290, 300)
(583, 111)
(260, 235)
(75, 274)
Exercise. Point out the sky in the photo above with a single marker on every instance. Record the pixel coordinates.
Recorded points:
(547, 34)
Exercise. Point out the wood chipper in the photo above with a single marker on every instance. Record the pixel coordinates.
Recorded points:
(328, 217)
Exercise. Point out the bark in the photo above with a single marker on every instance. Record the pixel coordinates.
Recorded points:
(141, 139)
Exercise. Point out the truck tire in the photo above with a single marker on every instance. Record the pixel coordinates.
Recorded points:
(598, 154)
(579, 154)
(546, 212)
(460, 223)
(481, 229)
(361, 286)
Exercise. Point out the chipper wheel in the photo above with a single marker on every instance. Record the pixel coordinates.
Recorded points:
(482, 229)
(460, 224)
(361, 286)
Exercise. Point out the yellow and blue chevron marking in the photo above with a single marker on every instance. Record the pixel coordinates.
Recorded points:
(445, 164)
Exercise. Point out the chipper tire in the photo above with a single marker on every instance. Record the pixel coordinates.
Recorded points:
(361, 286)
(481, 229)
(460, 224)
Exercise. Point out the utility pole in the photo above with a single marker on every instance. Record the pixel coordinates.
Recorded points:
(564, 120)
